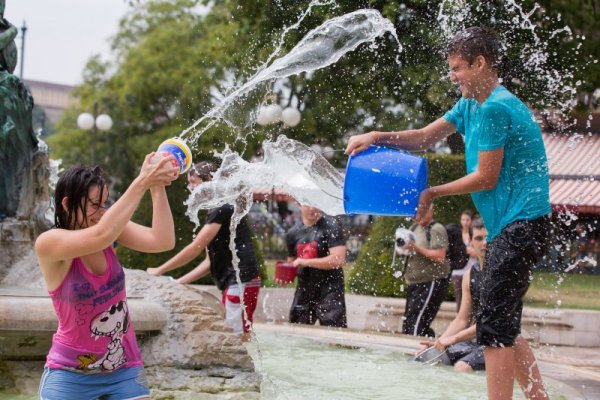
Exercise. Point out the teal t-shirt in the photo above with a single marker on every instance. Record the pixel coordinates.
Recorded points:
(502, 120)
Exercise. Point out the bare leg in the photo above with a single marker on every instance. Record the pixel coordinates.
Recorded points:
(462, 366)
(527, 372)
(500, 371)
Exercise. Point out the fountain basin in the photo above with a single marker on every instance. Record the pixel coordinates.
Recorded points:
(300, 362)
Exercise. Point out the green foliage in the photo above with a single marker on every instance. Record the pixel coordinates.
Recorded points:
(173, 64)
(372, 273)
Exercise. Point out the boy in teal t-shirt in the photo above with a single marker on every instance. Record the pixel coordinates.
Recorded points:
(503, 121)
(507, 177)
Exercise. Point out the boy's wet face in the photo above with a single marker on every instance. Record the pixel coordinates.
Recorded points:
(478, 242)
(463, 74)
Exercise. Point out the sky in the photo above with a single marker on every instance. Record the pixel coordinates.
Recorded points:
(62, 35)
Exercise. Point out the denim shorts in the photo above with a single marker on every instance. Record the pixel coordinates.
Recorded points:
(468, 352)
(123, 384)
(509, 260)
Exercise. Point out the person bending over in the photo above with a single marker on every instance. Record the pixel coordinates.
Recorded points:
(214, 237)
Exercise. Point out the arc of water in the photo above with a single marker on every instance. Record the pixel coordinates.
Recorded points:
(321, 47)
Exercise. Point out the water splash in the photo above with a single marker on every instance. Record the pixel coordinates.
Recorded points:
(321, 47)
(556, 89)
(287, 165)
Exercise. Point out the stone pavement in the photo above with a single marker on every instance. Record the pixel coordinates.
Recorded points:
(572, 371)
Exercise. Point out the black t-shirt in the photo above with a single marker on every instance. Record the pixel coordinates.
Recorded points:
(314, 242)
(474, 287)
(221, 264)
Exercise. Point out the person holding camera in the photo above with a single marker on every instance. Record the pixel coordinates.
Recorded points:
(426, 273)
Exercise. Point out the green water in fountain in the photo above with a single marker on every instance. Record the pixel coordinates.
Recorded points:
(298, 368)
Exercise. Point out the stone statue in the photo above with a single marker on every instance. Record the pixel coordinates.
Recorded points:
(24, 166)
(18, 142)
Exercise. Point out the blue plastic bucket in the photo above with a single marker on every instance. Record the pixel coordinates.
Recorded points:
(384, 181)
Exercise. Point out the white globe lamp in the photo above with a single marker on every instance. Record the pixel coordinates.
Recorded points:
(85, 121)
(316, 148)
(328, 152)
(290, 117)
(273, 113)
(261, 118)
(104, 122)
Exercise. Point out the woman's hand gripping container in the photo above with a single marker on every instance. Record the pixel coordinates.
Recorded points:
(384, 181)
(285, 272)
(179, 150)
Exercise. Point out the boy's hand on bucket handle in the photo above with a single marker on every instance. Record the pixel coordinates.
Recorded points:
(425, 344)
(359, 143)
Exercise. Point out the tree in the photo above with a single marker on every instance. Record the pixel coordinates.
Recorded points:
(175, 60)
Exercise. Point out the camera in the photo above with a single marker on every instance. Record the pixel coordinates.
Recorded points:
(402, 237)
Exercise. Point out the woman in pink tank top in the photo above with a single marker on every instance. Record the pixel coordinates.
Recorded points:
(94, 352)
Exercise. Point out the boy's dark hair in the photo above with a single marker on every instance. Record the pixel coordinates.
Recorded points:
(74, 184)
(203, 169)
(476, 41)
(477, 223)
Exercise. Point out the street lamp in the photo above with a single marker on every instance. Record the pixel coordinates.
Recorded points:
(95, 122)
(274, 113)
(326, 151)
(23, 32)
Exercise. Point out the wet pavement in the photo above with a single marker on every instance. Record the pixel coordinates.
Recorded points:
(576, 367)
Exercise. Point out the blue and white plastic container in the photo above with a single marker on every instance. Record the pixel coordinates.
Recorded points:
(178, 149)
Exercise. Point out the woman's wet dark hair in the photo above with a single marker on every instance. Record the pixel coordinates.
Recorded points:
(476, 41)
(74, 184)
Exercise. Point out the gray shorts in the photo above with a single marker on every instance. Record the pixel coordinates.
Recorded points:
(469, 352)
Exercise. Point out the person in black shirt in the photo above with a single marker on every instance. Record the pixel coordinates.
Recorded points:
(316, 246)
(214, 237)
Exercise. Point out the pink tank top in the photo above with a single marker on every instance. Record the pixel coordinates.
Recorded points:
(94, 333)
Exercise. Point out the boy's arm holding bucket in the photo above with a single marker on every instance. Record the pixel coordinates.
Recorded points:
(485, 177)
(411, 139)
(335, 259)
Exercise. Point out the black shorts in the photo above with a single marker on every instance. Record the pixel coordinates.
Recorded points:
(320, 300)
(509, 260)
